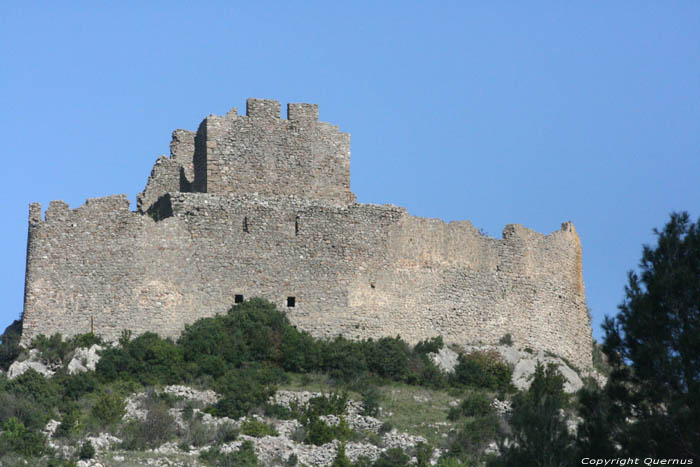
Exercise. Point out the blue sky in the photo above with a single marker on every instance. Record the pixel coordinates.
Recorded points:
(497, 112)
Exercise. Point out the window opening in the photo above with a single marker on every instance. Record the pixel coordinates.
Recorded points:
(291, 302)
(245, 224)
(238, 299)
(296, 226)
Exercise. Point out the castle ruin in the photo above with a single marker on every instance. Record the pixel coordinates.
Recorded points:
(260, 206)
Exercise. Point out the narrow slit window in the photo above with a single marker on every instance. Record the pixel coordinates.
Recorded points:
(238, 299)
(296, 226)
(291, 302)
(245, 224)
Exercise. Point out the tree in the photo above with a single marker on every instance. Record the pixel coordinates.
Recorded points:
(653, 345)
(540, 436)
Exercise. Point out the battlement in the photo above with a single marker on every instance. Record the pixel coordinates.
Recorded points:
(257, 205)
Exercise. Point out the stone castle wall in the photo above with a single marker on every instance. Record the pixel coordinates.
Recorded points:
(354, 269)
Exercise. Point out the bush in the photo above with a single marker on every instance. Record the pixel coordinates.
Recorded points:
(17, 439)
(475, 404)
(68, 423)
(109, 409)
(388, 357)
(9, 344)
(394, 457)
(33, 397)
(331, 404)
(483, 370)
(341, 458)
(432, 345)
(343, 359)
(199, 434)
(244, 457)
(158, 428)
(371, 397)
(473, 436)
(319, 432)
(507, 339)
(87, 451)
(258, 429)
(148, 359)
(243, 389)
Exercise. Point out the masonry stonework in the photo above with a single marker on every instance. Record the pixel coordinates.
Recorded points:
(257, 205)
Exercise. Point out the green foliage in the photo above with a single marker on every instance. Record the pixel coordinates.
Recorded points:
(343, 359)
(394, 457)
(77, 385)
(244, 457)
(87, 451)
(475, 404)
(507, 339)
(652, 346)
(31, 398)
(424, 454)
(9, 344)
(319, 432)
(109, 409)
(371, 397)
(341, 458)
(600, 361)
(16, 438)
(243, 389)
(327, 404)
(148, 359)
(538, 425)
(483, 370)
(432, 345)
(258, 429)
(158, 428)
(52, 349)
(68, 423)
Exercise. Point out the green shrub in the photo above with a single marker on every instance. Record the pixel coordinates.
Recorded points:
(341, 458)
(86, 340)
(15, 438)
(371, 397)
(199, 434)
(475, 404)
(51, 349)
(75, 386)
(148, 359)
(244, 457)
(331, 404)
(388, 357)
(109, 409)
(226, 432)
(158, 428)
(343, 359)
(33, 399)
(319, 432)
(432, 345)
(243, 389)
(394, 457)
(68, 423)
(473, 436)
(87, 451)
(258, 429)
(507, 339)
(482, 370)
(424, 454)
(9, 344)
